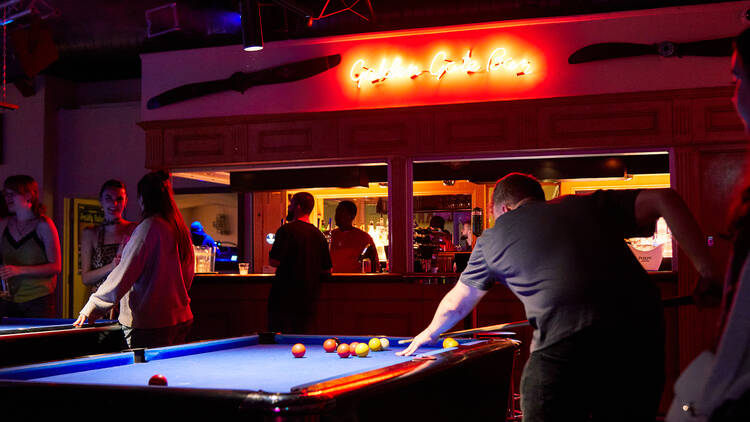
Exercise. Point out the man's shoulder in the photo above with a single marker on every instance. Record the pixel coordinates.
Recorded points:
(361, 232)
(302, 228)
(358, 235)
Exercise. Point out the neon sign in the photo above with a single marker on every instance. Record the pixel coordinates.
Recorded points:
(441, 65)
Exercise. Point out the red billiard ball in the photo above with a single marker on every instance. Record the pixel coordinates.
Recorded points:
(158, 379)
(298, 350)
(353, 348)
(329, 345)
(343, 350)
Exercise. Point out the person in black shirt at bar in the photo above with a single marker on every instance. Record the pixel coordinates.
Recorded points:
(300, 255)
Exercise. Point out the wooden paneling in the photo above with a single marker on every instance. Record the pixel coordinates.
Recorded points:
(381, 133)
(716, 120)
(706, 178)
(292, 140)
(682, 120)
(269, 208)
(205, 145)
(228, 309)
(648, 119)
(400, 215)
(154, 149)
(637, 123)
(477, 130)
(372, 308)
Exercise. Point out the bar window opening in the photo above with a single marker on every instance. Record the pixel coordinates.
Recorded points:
(453, 200)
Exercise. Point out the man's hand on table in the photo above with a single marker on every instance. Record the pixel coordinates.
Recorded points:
(425, 337)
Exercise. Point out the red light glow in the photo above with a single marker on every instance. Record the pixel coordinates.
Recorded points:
(441, 65)
(366, 380)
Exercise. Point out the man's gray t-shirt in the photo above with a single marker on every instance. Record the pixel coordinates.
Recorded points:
(568, 263)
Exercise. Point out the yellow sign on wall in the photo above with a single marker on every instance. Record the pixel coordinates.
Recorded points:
(79, 214)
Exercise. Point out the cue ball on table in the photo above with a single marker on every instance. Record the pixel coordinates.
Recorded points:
(158, 379)
(449, 342)
(374, 344)
(384, 343)
(343, 350)
(298, 350)
(362, 350)
(329, 345)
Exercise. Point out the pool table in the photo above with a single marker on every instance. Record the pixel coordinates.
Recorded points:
(32, 340)
(257, 378)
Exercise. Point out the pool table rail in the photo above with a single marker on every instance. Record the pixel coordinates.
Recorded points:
(441, 383)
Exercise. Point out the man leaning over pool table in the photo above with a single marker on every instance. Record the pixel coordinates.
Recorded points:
(598, 347)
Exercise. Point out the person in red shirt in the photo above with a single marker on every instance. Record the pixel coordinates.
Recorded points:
(348, 243)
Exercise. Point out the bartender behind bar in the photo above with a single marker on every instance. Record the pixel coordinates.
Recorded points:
(351, 248)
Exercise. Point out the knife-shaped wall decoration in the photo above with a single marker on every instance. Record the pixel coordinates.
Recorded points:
(614, 50)
(241, 81)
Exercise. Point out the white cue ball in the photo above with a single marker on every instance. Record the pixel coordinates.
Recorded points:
(384, 343)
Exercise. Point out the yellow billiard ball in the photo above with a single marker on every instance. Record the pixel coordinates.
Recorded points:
(362, 350)
(384, 343)
(374, 344)
(449, 342)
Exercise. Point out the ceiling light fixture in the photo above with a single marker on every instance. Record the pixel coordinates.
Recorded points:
(252, 30)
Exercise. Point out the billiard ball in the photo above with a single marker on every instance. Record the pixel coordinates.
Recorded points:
(343, 350)
(158, 379)
(329, 345)
(362, 350)
(298, 350)
(374, 344)
(449, 342)
(353, 348)
(384, 343)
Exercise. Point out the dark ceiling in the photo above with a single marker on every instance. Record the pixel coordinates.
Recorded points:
(101, 40)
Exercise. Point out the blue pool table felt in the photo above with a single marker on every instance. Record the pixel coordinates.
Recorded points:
(267, 367)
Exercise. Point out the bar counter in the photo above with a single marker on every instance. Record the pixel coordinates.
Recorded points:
(392, 304)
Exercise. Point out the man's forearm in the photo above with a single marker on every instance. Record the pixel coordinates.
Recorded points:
(453, 308)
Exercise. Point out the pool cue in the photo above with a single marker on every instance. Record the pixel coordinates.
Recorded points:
(496, 327)
(668, 302)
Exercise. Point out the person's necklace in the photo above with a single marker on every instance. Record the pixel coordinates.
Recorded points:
(113, 221)
(23, 230)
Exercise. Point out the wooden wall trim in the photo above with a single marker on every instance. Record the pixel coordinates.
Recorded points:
(658, 119)
(400, 214)
(154, 148)
(721, 92)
